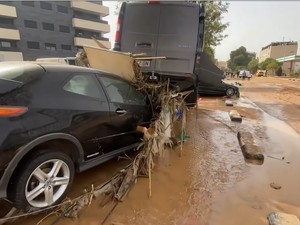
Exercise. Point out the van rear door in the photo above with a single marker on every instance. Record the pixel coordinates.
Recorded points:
(178, 35)
(140, 30)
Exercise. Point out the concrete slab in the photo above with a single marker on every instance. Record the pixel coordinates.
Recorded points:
(278, 218)
(249, 147)
(235, 116)
(228, 103)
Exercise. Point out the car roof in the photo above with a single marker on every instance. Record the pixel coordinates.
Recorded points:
(54, 67)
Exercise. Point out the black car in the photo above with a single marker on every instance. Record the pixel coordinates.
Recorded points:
(210, 79)
(56, 120)
(219, 88)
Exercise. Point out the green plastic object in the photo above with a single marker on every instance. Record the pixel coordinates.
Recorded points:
(183, 137)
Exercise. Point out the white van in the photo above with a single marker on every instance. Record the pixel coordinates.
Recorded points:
(67, 60)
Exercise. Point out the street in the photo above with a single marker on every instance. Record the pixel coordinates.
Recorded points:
(212, 183)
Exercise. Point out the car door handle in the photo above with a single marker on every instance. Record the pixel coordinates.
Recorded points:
(121, 111)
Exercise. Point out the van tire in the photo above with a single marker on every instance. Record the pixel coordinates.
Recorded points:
(229, 92)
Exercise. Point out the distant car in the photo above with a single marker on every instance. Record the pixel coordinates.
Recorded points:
(56, 120)
(248, 74)
(259, 74)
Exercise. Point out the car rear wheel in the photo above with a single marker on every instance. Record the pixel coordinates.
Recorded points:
(43, 180)
(229, 92)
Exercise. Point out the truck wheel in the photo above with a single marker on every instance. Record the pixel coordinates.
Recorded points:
(42, 181)
(229, 92)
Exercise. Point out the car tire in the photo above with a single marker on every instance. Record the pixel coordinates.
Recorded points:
(230, 92)
(43, 180)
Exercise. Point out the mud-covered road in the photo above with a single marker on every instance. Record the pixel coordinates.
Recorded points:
(212, 183)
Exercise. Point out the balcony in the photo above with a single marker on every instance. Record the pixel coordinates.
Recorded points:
(8, 11)
(78, 41)
(9, 34)
(90, 25)
(90, 8)
(90, 19)
(90, 36)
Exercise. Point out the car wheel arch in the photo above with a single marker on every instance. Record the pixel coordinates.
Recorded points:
(25, 149)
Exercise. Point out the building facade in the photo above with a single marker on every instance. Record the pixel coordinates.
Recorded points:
(40, 29)
(222, 65)
(277, 50)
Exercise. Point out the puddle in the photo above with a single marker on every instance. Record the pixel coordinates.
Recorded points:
(252, 199)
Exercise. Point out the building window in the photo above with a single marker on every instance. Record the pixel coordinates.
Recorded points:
(5, 44)
(95, 34)
(46, 5)
(33, 45)
(30, 24)
(66, 47)
(51, 47)
(79, 32)
(64, 29)
(28, 3)
(62, 9)
(48, 26)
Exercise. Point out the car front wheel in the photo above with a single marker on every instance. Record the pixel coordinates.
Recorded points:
(229, 92)
(42, 181)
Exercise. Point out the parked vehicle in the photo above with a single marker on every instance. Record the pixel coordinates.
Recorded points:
(259, 74)
(56, 120)
(171, 29)
(67, 60)
(210, 79)
(247, 72)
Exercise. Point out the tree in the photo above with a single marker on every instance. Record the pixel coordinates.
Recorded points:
(240, 58)
(263, 65)
(278, 72)
(273, 66)
(214, 26)
(253, 65)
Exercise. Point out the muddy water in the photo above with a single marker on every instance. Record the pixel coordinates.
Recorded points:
(252, 199)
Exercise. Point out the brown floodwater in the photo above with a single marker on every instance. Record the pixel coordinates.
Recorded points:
(212, 183)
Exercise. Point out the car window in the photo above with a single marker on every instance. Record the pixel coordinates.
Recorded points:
(85, 84)
(122, 92)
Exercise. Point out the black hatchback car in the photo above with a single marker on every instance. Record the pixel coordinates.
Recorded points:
(56, 120)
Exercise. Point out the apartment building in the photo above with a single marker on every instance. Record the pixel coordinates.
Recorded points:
(277, 50)
(40, 29)
(222, 65)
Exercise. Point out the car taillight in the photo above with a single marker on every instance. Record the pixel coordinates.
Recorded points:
(153, 2)
(10, 111)
(188, 74)
(117, 39)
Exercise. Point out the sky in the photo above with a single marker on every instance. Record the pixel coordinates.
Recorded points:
(253, 24)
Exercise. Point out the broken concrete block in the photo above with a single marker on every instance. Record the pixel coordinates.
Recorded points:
(249, 147)
(235, 116)
(278, 218)
(228, 103)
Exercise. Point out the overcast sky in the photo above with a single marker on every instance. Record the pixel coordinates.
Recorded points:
(253, 24)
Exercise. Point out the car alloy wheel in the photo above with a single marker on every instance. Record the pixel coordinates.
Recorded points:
(229, 92)
(47, 183)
